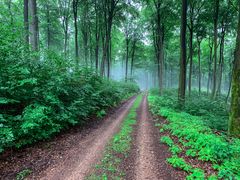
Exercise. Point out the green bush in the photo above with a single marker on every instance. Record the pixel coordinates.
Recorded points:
(39, 98)
(213, 113)
(200, 141)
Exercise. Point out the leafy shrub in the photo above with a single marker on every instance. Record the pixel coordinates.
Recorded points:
(167, 140)
(201, 141)
(213, 113)
(40, 98)
(196, 174)
(180, 163)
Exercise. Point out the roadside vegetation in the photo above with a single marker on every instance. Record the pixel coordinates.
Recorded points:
(40, 98)
(196, 145)
(118, 148)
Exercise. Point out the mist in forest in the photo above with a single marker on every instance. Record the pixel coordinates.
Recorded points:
(146, 78)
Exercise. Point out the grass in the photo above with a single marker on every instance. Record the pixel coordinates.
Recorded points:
(23, 174)
(118, 148)
(199, 141)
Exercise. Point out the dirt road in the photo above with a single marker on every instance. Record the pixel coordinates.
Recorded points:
(80, 159)
(73, 156)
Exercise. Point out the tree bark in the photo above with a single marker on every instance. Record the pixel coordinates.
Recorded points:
(127, 53)
(234, 120)
(26, 22)
(215, 48)
(97, 34)
(210, 66)
(199, 67)
(34, 36)
(48, 27)
(221, 61)
(190, 48)
(75, 13)
(133, 55)
(183, 64)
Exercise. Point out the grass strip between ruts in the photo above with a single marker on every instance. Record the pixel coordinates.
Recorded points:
(118, 148)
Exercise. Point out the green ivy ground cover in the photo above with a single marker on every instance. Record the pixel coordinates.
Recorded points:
(199, 140)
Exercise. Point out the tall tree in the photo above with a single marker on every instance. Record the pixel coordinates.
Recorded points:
(234, 121)
(64, 12)
(216, 12)
(159, 42)
(34, 34)
(75, 16)
(183, 62)
(195, 8)
(26, 25)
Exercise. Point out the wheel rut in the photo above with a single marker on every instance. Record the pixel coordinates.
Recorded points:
(80, 160)
(147, 159)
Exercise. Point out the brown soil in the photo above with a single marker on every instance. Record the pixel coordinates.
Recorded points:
(147, 159)
(70, 155)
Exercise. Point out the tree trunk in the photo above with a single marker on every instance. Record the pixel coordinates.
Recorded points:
(75, 11)
(126, 67)
(209, 68)
(97, 36)
(234, 121)
(199, 67)
(33, 25)
(191, 59)
(48, 27)
(65, 42)
(215, 48)
(26, 22)
(133, 55)
(221, 62)
(183, 64)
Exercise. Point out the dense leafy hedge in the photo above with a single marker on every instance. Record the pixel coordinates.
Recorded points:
(199, 141)
(40, 96)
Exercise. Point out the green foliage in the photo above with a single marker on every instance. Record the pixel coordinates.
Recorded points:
(23, 174)
(197, 174)
(191, 152)
(167, 140)
(40, 98)
(180, 163)
(200, 140)
(175, 149)
(214, 113)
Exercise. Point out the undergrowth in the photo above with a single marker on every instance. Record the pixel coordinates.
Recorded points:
(40, 98)
(199, 140)
(118, 148)
(214, 113)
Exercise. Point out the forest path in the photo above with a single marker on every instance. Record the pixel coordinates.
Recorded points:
(147, 159)
(81, 159)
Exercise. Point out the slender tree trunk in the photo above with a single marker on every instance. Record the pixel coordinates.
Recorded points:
(48, 27)
(221, 63)
(199, 67)
(33, 25)
(75, 13)
(234, 120)
(183, 63)
(103, 55)
(26, 22)
(97, 36)
(127, 53)
(215, 48)
(65, 42)
(191, 59)
(133, 55)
